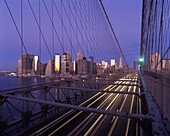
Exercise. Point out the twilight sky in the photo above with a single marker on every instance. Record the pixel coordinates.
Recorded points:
(125, 16)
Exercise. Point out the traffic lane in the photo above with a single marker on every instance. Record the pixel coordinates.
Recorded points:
(50, 129)
(121, 125)
(103, 127)
(71, 114)
(134, 127)
(78, 120)
(84, 124)
(74, 121)
(109, 120)
(90, 123)
(65, 117)
(82, 133)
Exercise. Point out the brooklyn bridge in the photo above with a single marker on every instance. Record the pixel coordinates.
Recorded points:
(88, 86)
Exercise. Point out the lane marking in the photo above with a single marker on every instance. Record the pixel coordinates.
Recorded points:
(114, 124)
(113, 119)
(131, 106)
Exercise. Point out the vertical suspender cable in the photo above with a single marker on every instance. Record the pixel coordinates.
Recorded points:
(39, 30)
(36, 20)
(76, 22)
(22, 48)
(15, 25)
(70, 25)
(22, 38)
(52, 27)
(142, 30)
(62, 34)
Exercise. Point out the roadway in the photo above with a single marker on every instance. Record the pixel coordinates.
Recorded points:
(76, 123)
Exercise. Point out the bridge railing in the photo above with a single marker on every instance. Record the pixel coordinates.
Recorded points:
(159, 86)
(17, 115)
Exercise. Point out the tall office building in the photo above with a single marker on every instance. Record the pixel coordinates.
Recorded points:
(36, 60)
(112, 62)
(95, 65)
(115, 65)
(90, 66)
(19, 70)
(72, 67)
(98, 68)
(91, 59)
(166, 64)
(103, 63)
(57, 63)
(30, 65)
(69, 61)
(82, 66)
(64, 63)
(120, 62)
(35, 63)
(69, 57)
(79, 56)
(154, 60)
(50, 68)
(35, 66)
(106, 65)
(41, 68)
(25, 64)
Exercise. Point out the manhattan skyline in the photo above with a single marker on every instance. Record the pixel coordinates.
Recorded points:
(126, 24)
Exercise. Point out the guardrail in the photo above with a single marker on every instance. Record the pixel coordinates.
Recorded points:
(160, 122)
(159, 86)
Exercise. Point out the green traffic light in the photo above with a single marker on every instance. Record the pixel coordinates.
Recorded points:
(141, 60)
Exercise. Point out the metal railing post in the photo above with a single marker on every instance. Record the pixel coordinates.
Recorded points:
(1, 108)
(44, 107)
(58, 98)
(26, 114)
(68, 93)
